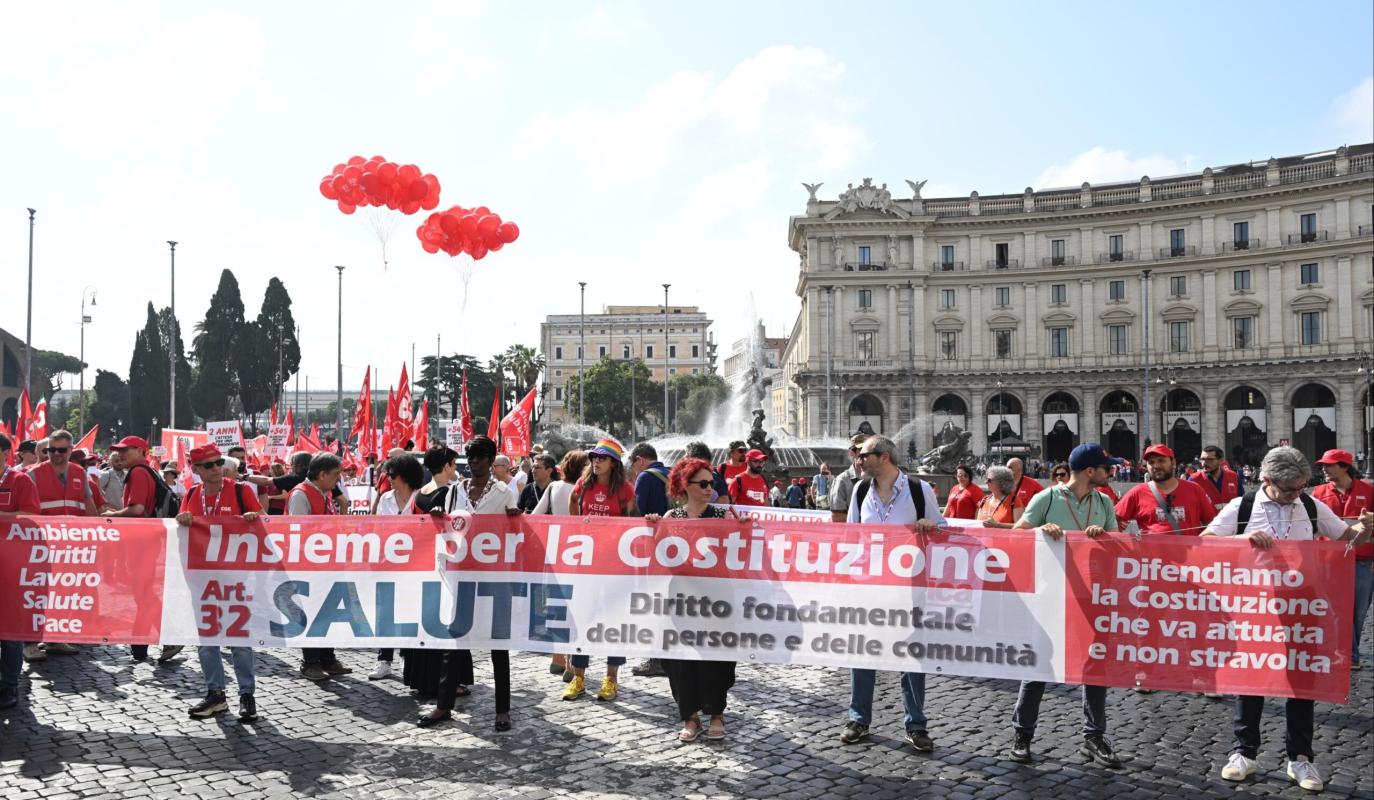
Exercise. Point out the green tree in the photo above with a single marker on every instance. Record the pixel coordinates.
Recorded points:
(278, 328)
(110, 405)
(607, 386)
(216, 383)
(147, 379)
(481, 384)
(525, 365)
(169, 329)
(256, 384)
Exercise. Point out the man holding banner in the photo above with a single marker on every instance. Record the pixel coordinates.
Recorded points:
(887, 496)
(1075, 506)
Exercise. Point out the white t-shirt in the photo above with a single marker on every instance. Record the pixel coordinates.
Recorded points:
(518, 481)
(387, 505)
(903, 507)
(1281, 521)
(557, 499)
(497, 498)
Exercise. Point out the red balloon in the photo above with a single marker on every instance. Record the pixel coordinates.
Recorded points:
(469, 224)
(347, 208)
(487, 225)
(418, 190)
(429, 247)
(478, 251)
(508, 232)
(387, 171)
(409, 172)
(327, 189)
(355, 160)
(449, 223)
(495, 246)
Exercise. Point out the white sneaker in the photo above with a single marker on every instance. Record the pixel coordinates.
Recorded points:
(382, 670)
(61, 648)
(1305, 773)
(34, 652)
(1239, 768)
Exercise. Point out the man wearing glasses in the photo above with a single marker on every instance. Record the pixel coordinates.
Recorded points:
(62, 486)
(217, 496)
(887, 496)
(1266, 516)
(734, 461)
(1218, 482)
(844, 485)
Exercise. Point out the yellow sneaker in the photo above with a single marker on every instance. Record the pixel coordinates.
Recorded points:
(576, 688)
(609, 689)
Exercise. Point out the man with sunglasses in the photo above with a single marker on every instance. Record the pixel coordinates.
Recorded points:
(63, 489)
(218, 496)
(844, 485)
(750, 488)
(734, 461)
(1274, 513)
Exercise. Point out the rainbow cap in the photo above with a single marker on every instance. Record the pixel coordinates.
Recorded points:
(609, 447)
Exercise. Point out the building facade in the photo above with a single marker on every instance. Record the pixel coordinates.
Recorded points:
(622, 333)
(1245, 292)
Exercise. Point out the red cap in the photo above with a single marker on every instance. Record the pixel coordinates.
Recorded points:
(130, 442)
(1337, 457)
(1159, 450)
(755, 455)
(206, 452)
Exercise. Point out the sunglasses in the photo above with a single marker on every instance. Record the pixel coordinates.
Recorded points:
(702, 484)
(1060, 475)
(211, 464)
(597, 456)
(863, 456)
(56, 449)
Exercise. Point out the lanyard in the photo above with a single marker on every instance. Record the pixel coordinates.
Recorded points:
(885, 509)
(1064, 495)
(1273, 528)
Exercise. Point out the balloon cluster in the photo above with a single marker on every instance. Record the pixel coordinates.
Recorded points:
(381, 183)
(475, 231)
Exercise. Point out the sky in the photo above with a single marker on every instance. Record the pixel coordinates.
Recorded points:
(634, 143)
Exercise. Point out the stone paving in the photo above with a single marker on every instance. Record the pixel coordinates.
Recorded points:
(99, 725)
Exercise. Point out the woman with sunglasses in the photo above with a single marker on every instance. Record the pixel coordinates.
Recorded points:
(555, 501)
(444, 494)
(405, 476)
(964, 496)
(999, 508)
(601, 492)
(698, 686)
(1059, 473)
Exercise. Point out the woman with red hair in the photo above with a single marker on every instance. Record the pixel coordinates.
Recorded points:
(698, 686)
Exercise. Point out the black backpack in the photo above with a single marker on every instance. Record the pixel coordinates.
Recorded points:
(1247, 504)
(918, 495)
(165, 502)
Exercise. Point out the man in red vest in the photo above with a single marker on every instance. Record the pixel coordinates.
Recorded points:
(1025, 487)
(63, 489)
(1348, 496)
(314, 497)
(18, 495)
(1218, 482)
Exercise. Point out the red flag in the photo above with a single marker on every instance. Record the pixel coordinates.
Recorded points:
(305, 443)
(38, 422)
(362, 412)
(388, 424)
(401, 418)
(274, 414)
(315, 432)
(493, 423)
(464, 415)
(291, 420)
(21, 425)
(87, 442)
(420, 431)
(515, 428)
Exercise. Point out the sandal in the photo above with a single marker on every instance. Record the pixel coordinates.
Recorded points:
(691, 729)
(712, 734)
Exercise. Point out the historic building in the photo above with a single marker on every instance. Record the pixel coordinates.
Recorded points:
(623, 333)
(1031, 320)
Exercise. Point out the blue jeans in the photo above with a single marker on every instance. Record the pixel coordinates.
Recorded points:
(11, 662)
(1364, 592)
(213, 667)
(913, 698)
(581, 662)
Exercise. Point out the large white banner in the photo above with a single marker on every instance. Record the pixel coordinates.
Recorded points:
(225, 435)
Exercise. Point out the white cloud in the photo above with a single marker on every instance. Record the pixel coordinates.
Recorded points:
(1353, 114)
(1100, 165)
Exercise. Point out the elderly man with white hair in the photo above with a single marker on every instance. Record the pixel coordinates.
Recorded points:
(1270, 514)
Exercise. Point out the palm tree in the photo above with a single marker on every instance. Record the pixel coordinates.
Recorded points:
(525, 364)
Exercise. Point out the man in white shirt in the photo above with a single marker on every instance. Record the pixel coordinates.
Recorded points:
(887, 496)
(1274, 513)
(112, 480)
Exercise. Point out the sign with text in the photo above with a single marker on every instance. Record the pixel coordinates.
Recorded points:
(225, 435)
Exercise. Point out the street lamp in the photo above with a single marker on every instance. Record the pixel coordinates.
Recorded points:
(172, 341)
(665, 357)
(1366, 368)
(338, 384)
(1146, 411)
(582, 353)
(829, 359)
(28, 326)
(1001, 418)
(82, 358)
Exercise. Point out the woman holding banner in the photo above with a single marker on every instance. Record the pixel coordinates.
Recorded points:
(405, 476)
(698, 686)
(443, 495)
(999, 509)
(555, 501)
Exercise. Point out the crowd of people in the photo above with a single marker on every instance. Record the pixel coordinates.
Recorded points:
(49, 478)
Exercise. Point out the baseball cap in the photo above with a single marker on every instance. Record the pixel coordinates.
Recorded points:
(28, 446)
(1159, 450)
(130, 442)
(756, 455)
(1091, 454)
(206, 452)
(1337, 457)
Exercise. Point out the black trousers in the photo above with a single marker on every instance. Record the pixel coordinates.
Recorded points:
(1245, 723)
(458, 672)
(318, 656)
(699, 686)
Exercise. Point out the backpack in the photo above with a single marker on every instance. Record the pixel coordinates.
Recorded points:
(165, 502)
(1247, 504)
(918, 495)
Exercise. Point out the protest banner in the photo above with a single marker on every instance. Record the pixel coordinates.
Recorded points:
(225, 435)
(277, 437)
(359, 499)
(986, 603)
(453, 435)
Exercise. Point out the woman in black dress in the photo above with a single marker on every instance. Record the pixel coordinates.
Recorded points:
(698, 686)
(441, 496)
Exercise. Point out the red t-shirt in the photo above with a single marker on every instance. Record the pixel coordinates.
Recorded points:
(1026, 489)
(597, 500)
(1110, 492)
(139, 488)
(963, 502)
(1187, 502)
(1350, 505)
(224, 504)
(749, 490)
(729, 470)
(18, 493)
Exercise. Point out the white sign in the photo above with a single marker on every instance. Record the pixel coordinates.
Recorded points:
(225, 435)
(453, 435)
(359, 499)
(277, 437)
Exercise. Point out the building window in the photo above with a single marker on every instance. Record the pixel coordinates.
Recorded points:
(557, 356)
(648, 352)
(947, 256)
(1059, 294)
(624, 351)
(1057, 252)
(672, 351)
(1240, 236)
(1178, 285)
(1240, 280)
(1309, 227)
(1003, 257)
(863, 345)
(1059, 342)
(696, 353)
(1002, 342)
(1116, 290)
(1002, 295)
(949, 345)
(1116, 247)
(1177, 241)
(557, 392)
(865, 298)
(946, 299)
(580, 352)
(865, 255)
(1307, 274)
(1311, 327)
(1116, 339)
(1243, 332)
(1178, 337)
(601, 351)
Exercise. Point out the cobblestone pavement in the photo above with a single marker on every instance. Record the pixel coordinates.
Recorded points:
(98, 725)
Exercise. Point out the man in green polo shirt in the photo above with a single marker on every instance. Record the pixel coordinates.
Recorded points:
(1074, 506)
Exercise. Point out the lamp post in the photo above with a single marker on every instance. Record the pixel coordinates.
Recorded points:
(172, 341)
(1001, 418)
(829, 358)
(581, 352)
(1145, 347)
(338, 390)
(665, 357)
(911, 366)
(82, 358)
(1366, 368)
(28, 326)
(298, 377)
